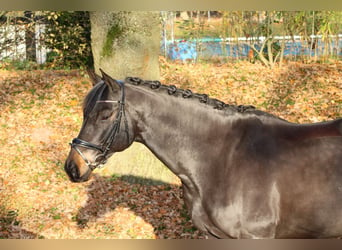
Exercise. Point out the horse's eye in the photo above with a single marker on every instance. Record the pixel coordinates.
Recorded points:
(105, 116)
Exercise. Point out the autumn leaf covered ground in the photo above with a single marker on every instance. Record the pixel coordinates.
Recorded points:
(40, 111)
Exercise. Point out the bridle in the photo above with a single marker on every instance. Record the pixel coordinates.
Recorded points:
(101, 159)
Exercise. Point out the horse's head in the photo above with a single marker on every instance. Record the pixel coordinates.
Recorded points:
(106, 128)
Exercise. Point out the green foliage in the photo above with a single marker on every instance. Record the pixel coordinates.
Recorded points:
(68, 37)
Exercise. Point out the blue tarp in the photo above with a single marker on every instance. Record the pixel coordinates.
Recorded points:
(214, 47)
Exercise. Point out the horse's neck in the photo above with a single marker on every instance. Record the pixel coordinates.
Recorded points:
(172, 127)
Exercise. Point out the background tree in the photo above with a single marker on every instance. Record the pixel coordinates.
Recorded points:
(68, 38)
(128, 44)
(30, 36)
(329, 24)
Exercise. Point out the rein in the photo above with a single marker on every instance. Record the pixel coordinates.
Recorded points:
(101, 159)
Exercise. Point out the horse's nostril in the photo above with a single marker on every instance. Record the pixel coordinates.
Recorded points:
(72, 170)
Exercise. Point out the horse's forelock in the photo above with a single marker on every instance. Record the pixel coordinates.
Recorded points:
(94, 95)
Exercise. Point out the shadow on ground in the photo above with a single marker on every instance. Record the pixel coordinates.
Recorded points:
(10, 227)
(159, 205)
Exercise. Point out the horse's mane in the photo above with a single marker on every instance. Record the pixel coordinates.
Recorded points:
(202, 98)
(228, 109)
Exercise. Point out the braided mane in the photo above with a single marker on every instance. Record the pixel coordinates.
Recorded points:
(202, 98)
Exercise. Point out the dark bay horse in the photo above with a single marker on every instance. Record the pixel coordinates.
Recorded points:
(245, 173)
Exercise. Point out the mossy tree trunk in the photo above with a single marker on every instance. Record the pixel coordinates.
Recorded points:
(128, 44)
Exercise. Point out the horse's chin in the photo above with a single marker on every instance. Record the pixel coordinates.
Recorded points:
(85, 177)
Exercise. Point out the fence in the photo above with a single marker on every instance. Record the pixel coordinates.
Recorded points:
(239, 48)
(13, 46)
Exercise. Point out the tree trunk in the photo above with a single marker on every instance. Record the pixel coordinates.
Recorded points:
(30, 37)
(128, 44)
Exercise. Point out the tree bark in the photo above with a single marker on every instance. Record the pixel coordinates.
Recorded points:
(126, 43)
(30, 37)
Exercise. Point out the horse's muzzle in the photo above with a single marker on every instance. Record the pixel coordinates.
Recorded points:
(74, 173)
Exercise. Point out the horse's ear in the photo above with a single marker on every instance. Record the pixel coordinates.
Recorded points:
(95, 78)
(112, 83)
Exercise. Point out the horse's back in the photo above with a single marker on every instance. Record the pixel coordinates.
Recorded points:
(299, 132)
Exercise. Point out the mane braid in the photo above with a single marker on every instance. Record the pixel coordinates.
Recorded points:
(203, 98)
